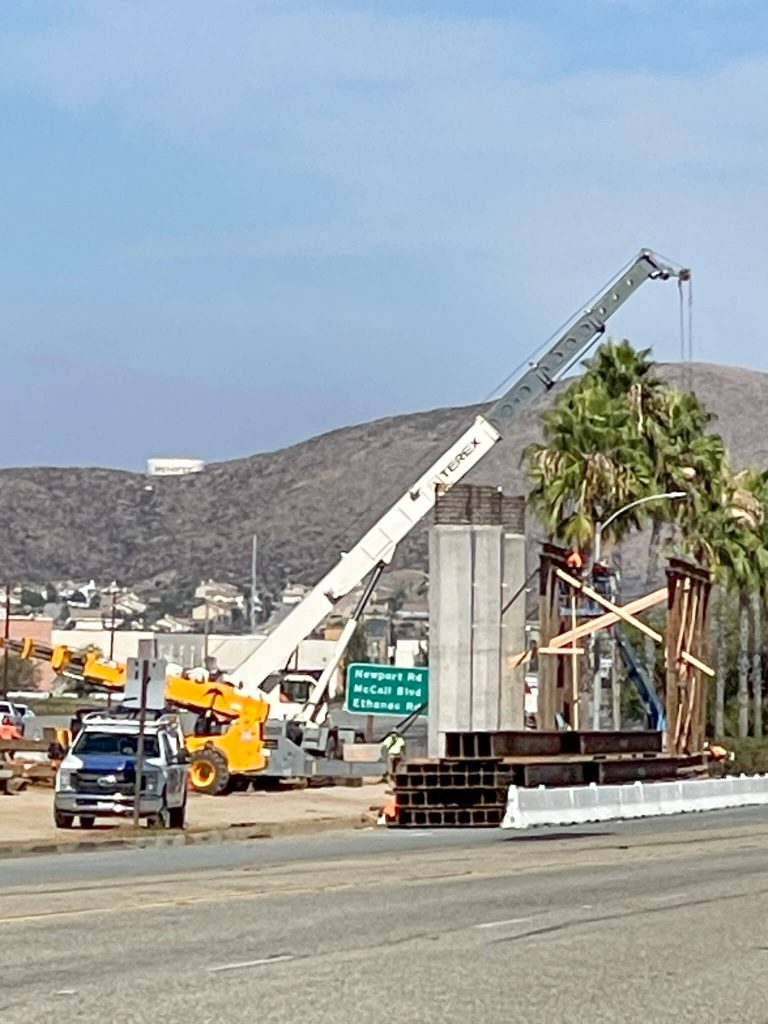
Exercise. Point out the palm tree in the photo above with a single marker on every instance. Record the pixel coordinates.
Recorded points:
(757, 662)
(730, 535)
(721, 658)
(759, 486)
(620, 433)
(589, 464)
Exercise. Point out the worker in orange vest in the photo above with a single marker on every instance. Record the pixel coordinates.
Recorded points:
(9, 731)
(575, 561)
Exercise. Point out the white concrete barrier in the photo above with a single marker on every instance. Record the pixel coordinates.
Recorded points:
(574, 805)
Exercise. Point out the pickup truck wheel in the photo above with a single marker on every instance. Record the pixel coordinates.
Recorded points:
(162, 819)
(87, 821)
(177, 816)
(209, 772)
(62, 820)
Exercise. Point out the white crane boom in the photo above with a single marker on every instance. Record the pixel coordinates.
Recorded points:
(378, 545)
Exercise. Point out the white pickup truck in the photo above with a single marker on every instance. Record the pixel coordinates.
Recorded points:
(97, 777)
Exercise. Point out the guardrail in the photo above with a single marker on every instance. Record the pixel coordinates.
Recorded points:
(575, 805)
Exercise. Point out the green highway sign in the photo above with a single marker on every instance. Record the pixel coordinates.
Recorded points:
(386, 690)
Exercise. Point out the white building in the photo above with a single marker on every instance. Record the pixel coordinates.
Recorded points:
(174, 467)
(294, 593)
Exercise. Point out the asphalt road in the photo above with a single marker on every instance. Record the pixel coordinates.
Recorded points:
(656, 922)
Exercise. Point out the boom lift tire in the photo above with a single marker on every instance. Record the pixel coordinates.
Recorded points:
(209, 772)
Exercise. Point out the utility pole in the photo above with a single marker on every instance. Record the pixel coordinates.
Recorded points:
(6, 634)
(140, 742)
(253, 585)
(205, 635)
(113, 594)
(113, 591)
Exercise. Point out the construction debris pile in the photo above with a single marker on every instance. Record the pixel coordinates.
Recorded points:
(25, 762)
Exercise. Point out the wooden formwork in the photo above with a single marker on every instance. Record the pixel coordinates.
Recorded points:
(687, 673)
(562, 676)
(558, 676)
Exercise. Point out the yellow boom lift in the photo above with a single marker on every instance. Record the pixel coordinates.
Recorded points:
(228, 739)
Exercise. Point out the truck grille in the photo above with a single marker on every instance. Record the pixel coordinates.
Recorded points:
(93, 782)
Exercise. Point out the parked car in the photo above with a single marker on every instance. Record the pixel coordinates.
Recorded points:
(25, 710)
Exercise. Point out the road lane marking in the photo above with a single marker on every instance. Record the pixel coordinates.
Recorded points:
(252, 963)
(669, 896)
(500, 924)
(42, 915)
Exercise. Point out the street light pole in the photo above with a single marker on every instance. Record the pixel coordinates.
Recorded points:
(113, 590)
(206, 634)
(597, 679)
(253, 584)
(599, 527)
(6, 634)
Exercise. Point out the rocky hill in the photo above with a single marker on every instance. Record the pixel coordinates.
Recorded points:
(306, 502)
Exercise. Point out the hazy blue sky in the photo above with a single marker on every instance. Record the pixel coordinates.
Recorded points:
(228, 225)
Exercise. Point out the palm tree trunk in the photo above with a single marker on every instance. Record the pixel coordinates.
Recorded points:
(743, 691)
(757, 663)
(654, 550)
(722, 655)
(651, 573)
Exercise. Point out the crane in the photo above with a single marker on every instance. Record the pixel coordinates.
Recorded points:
(238, 733)
(375, 550)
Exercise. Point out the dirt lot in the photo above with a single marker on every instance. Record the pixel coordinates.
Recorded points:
(27, 817)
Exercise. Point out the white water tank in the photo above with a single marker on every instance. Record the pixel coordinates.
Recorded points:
(174, 467)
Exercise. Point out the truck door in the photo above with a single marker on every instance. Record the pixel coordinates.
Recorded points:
(175, 771)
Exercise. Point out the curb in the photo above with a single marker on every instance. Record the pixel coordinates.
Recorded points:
(213, 837)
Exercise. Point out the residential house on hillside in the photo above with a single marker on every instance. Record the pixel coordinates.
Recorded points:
(215, 612)
(84, 595)
(171, 624)
(14, 599)
(129, 608)
(213, 590)
(294, 593)
(221, 604)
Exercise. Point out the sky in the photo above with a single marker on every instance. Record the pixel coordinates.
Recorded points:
(229, 226)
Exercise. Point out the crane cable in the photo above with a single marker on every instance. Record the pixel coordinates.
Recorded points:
(690, 328)
(686, 331)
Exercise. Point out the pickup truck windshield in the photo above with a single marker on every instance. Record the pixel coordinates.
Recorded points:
(113, 743)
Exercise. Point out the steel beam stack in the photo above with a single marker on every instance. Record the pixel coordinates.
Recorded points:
(468, 787)
(468, 792)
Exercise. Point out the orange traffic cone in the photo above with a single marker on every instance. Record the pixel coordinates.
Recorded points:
(388, 811)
